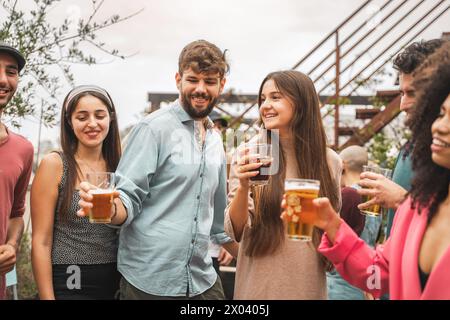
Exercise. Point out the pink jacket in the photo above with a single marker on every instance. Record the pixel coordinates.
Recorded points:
(393, 267)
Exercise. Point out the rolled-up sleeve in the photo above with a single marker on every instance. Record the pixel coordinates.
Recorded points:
(136, 169)
(218, 234)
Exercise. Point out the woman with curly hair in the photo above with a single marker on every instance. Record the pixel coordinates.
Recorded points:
(414, 261)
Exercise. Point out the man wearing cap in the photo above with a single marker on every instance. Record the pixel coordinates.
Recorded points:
(16, 158)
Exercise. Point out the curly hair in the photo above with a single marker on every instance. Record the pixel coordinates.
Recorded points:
(432, 80)
(409, 59)
(203, 56)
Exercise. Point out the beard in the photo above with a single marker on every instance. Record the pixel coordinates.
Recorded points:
(408, 120)
(191, 110)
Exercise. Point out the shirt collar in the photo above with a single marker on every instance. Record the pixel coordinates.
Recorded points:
(180, 112)
(208, 123)
(183, 116)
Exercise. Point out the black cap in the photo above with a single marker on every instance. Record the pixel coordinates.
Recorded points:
(13, 52)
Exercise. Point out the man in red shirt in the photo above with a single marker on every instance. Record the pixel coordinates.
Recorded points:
(16, 158)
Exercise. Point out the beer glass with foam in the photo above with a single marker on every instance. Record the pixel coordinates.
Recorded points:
(301, 212)
(375, 209)
(102, 193)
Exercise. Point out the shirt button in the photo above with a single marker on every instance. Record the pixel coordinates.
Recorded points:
(201, 175)
(195, 219)
(198, 197)
(192, 241)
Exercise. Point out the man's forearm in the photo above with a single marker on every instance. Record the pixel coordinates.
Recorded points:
(15, 232)
(232, 248)
(121, 212)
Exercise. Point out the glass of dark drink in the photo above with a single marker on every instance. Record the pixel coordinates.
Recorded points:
(261, 152)
(102, 193)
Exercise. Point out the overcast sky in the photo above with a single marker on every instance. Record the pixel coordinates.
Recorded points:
(261, 36)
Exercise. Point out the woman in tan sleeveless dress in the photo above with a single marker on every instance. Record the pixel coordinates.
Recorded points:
(270, 266)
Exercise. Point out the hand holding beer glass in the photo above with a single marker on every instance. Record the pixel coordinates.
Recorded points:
(102, 196)
(301, 213)
(254, 164)
(375, 209)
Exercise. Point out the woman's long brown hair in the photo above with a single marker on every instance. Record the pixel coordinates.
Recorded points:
(111, 148)
(267, 233)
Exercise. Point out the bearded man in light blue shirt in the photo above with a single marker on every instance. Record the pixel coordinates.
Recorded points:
(172, 189)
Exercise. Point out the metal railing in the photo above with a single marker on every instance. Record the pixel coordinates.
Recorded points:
(391, 14)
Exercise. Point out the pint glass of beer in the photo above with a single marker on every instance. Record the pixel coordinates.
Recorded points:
(300, 210)
(262, 152)
(102, 193)
(375, 209)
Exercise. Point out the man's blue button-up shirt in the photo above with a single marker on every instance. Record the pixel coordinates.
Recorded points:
(175, 195)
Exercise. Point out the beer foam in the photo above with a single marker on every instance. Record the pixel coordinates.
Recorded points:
(308, 187)
(100, 191)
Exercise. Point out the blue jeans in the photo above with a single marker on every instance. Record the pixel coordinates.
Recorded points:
(371, 230)
(339, 289)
